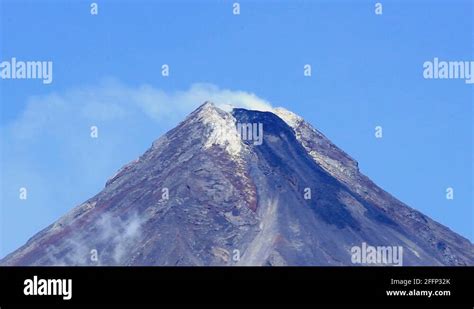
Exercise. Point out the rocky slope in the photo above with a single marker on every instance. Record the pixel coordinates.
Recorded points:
(203, 195)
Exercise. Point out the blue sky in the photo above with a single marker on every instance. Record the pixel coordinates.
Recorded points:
(367, 70)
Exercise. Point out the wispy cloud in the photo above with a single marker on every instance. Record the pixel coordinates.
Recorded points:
(116, 235)
(113, 101)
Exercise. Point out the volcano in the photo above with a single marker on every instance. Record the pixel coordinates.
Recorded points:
(241, 187)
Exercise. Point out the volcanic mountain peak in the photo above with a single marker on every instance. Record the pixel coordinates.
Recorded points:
(202, 195)
(289, 117)
(220, 129)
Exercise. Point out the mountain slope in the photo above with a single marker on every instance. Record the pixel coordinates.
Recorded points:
(202, 195)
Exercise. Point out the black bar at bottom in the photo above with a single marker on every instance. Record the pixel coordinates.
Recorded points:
(241, 285)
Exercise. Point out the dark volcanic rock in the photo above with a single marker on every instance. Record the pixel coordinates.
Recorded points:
(203, 196)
